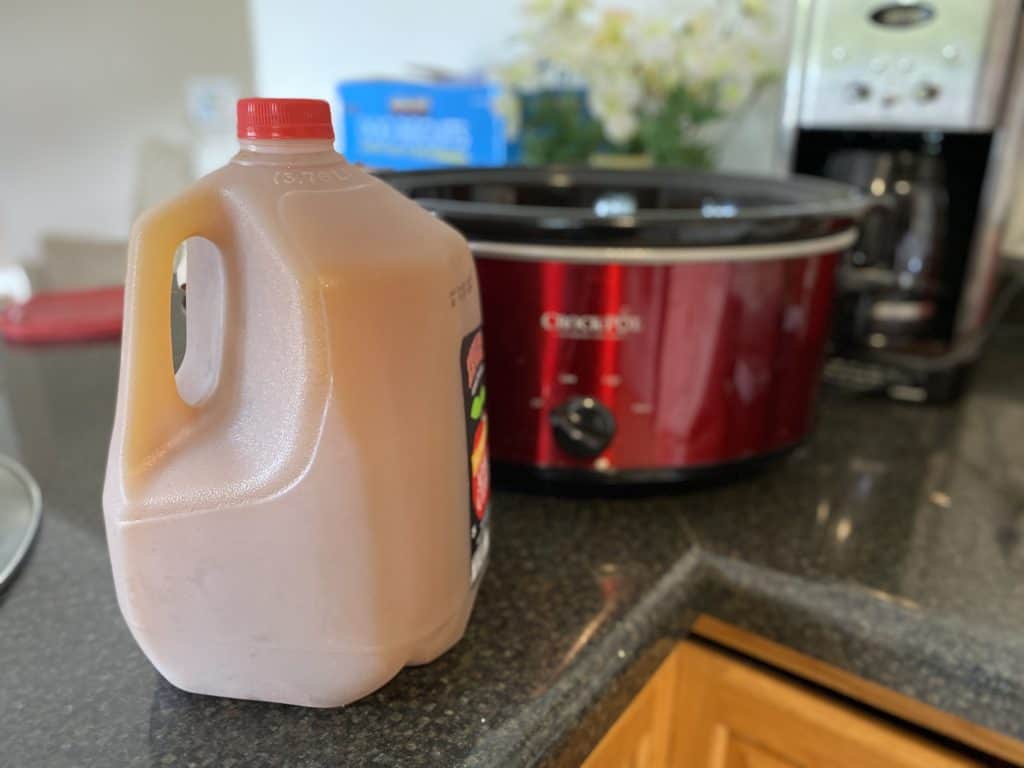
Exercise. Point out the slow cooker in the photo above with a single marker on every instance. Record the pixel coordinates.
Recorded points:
(646, 326)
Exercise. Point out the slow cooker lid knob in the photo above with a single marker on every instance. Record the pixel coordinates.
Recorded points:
(582, 426)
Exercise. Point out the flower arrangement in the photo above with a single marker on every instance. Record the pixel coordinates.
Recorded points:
(659, 83)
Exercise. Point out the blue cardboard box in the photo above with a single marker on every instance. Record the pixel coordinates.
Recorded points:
(397, 125)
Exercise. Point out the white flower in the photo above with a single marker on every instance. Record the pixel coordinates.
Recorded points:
(734, 92)
(701, 24)
(521, 73)
(655, 44)
(553, 10)
(614, 101)
(620, 127)
(629, 62)
(735, 68)
(509, 107)
(614, 93)
(757, 12)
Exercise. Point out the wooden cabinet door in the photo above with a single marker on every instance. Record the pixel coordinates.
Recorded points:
(730, 714)
(640, 737)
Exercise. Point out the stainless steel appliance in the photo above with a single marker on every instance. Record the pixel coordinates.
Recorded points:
(920, 104)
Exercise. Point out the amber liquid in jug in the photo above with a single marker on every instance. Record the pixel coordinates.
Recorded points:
(302, 510)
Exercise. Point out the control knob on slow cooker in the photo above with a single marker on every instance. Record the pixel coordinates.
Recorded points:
(582, 426)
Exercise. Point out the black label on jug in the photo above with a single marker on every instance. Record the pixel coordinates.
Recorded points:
(474, 391)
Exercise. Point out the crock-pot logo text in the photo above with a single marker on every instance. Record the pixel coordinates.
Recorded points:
(568, 326)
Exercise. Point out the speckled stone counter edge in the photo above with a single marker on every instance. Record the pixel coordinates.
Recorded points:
(941, 664)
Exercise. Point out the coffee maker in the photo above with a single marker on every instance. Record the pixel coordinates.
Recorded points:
(921, 105)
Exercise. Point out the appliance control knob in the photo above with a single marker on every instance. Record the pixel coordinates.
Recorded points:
(925, 92)
(582, 426)
(858, 91)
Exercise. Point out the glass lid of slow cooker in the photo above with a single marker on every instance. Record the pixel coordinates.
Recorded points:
(631, 208)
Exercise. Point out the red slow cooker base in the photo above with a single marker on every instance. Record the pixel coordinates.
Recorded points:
(586, 481)
(684, 366)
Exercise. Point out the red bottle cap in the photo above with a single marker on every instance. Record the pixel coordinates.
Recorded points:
(284, 119)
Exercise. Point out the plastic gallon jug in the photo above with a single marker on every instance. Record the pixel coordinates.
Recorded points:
(300, 510)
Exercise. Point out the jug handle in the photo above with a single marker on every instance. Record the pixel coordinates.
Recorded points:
(154, 412)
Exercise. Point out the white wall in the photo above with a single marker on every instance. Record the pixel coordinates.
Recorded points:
(87, 87)
(304, 47)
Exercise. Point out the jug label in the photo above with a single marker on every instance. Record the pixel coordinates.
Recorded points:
(474, 391)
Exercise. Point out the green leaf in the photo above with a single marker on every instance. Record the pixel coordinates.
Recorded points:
(558, 129)
(669, 135)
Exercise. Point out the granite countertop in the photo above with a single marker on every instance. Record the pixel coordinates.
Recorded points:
(889, 546)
